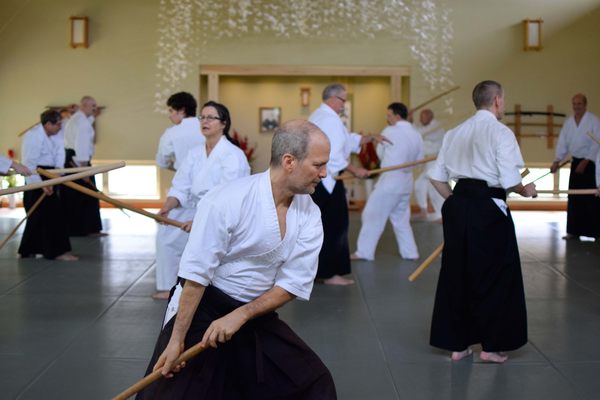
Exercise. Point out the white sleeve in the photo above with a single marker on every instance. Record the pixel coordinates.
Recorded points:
(207, 243)
(83, 140)
(509, 159)
(438, 171)
(182, 181)
(561, 147)
(297, 274)
(233, 167)
(595, 147)
(31, 150)
(5, 164)
(353, 143)
(166, 152)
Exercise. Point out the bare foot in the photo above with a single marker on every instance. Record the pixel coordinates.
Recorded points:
(493, 357)
(162, 295)
(570, 236)
(67, 257)
(338, 280)
(356, 257)
(98, 234)
(459, 355)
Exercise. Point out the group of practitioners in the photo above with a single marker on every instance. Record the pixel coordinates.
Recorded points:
(251, 243)
(62, 139)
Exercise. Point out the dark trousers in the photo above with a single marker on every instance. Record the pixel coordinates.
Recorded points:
(583, 212)
(265, 359)
(45, 229)
(82, 211)
(334, 258)
(480, 296)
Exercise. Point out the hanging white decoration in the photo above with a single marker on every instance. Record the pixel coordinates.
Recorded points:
(186, 26)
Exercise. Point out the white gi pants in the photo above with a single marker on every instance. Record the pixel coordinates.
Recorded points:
(424, 188)
(170, 242)
(382, 205)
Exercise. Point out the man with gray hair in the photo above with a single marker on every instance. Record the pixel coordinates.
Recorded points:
(82, 211)
(330, 195)
(480, 296)
(234, 274)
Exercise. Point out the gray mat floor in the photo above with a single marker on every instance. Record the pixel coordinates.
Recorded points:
(85, 330)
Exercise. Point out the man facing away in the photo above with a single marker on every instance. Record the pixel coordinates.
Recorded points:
(480, 296)
(236, 272)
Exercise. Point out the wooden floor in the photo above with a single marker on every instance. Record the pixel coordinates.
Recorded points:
(86, 330)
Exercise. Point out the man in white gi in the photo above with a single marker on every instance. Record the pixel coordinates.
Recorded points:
(583, 212)
(82, 211)
(391, 197)
(45, 232)
(184, 135)
(6, 164)
(433, 135)
(237, 271)
(480, 296)
(330, 195)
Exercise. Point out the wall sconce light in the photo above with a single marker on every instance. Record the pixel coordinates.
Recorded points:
(533, 34)
(79, 32)
(305, 96)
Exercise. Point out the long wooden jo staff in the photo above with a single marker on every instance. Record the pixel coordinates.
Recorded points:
(434, 99)
(594, 138)
(390, 168)
(439, 250)
(120, 204)
(56, 179)
(569, 191)
(156, 375)
(31, 210)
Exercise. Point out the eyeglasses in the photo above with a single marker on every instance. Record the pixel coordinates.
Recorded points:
(209, 118)
(341, 99)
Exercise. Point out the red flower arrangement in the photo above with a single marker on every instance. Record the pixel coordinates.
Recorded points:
(248, 151)
(368, 156)
(11, 154)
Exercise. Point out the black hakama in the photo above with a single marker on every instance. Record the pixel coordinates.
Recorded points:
(265, 359)
(45, 229)
(82, 211)
(334, 258)
(583, 211)
(480, 296)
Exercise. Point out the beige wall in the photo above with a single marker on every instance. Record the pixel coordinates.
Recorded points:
(37, 68)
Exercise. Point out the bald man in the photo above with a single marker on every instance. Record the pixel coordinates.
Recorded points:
(583, 212)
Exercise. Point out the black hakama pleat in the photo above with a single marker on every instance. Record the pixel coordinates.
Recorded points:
(480, 296)
(82, 211)
(334, 258)
(583, 211)
(265, 359)
(45, 229)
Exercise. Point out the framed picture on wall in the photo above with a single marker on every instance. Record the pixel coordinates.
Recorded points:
(346, 114)
(269, 118)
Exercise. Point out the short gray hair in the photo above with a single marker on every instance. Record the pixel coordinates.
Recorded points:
(484, 93)
(333, 90)
(291, 138)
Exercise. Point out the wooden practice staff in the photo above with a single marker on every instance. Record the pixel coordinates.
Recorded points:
(60, 179)
(390, 168)
(439, 250)
(570, 191)
(117, 203)
(434, 99)
(31, 210)
(156, 375)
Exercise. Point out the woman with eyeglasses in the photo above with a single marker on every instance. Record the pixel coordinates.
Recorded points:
(218, 161)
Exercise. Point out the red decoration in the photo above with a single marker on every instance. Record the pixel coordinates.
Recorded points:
(248, 151)
(368, 156)
(11, 153)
